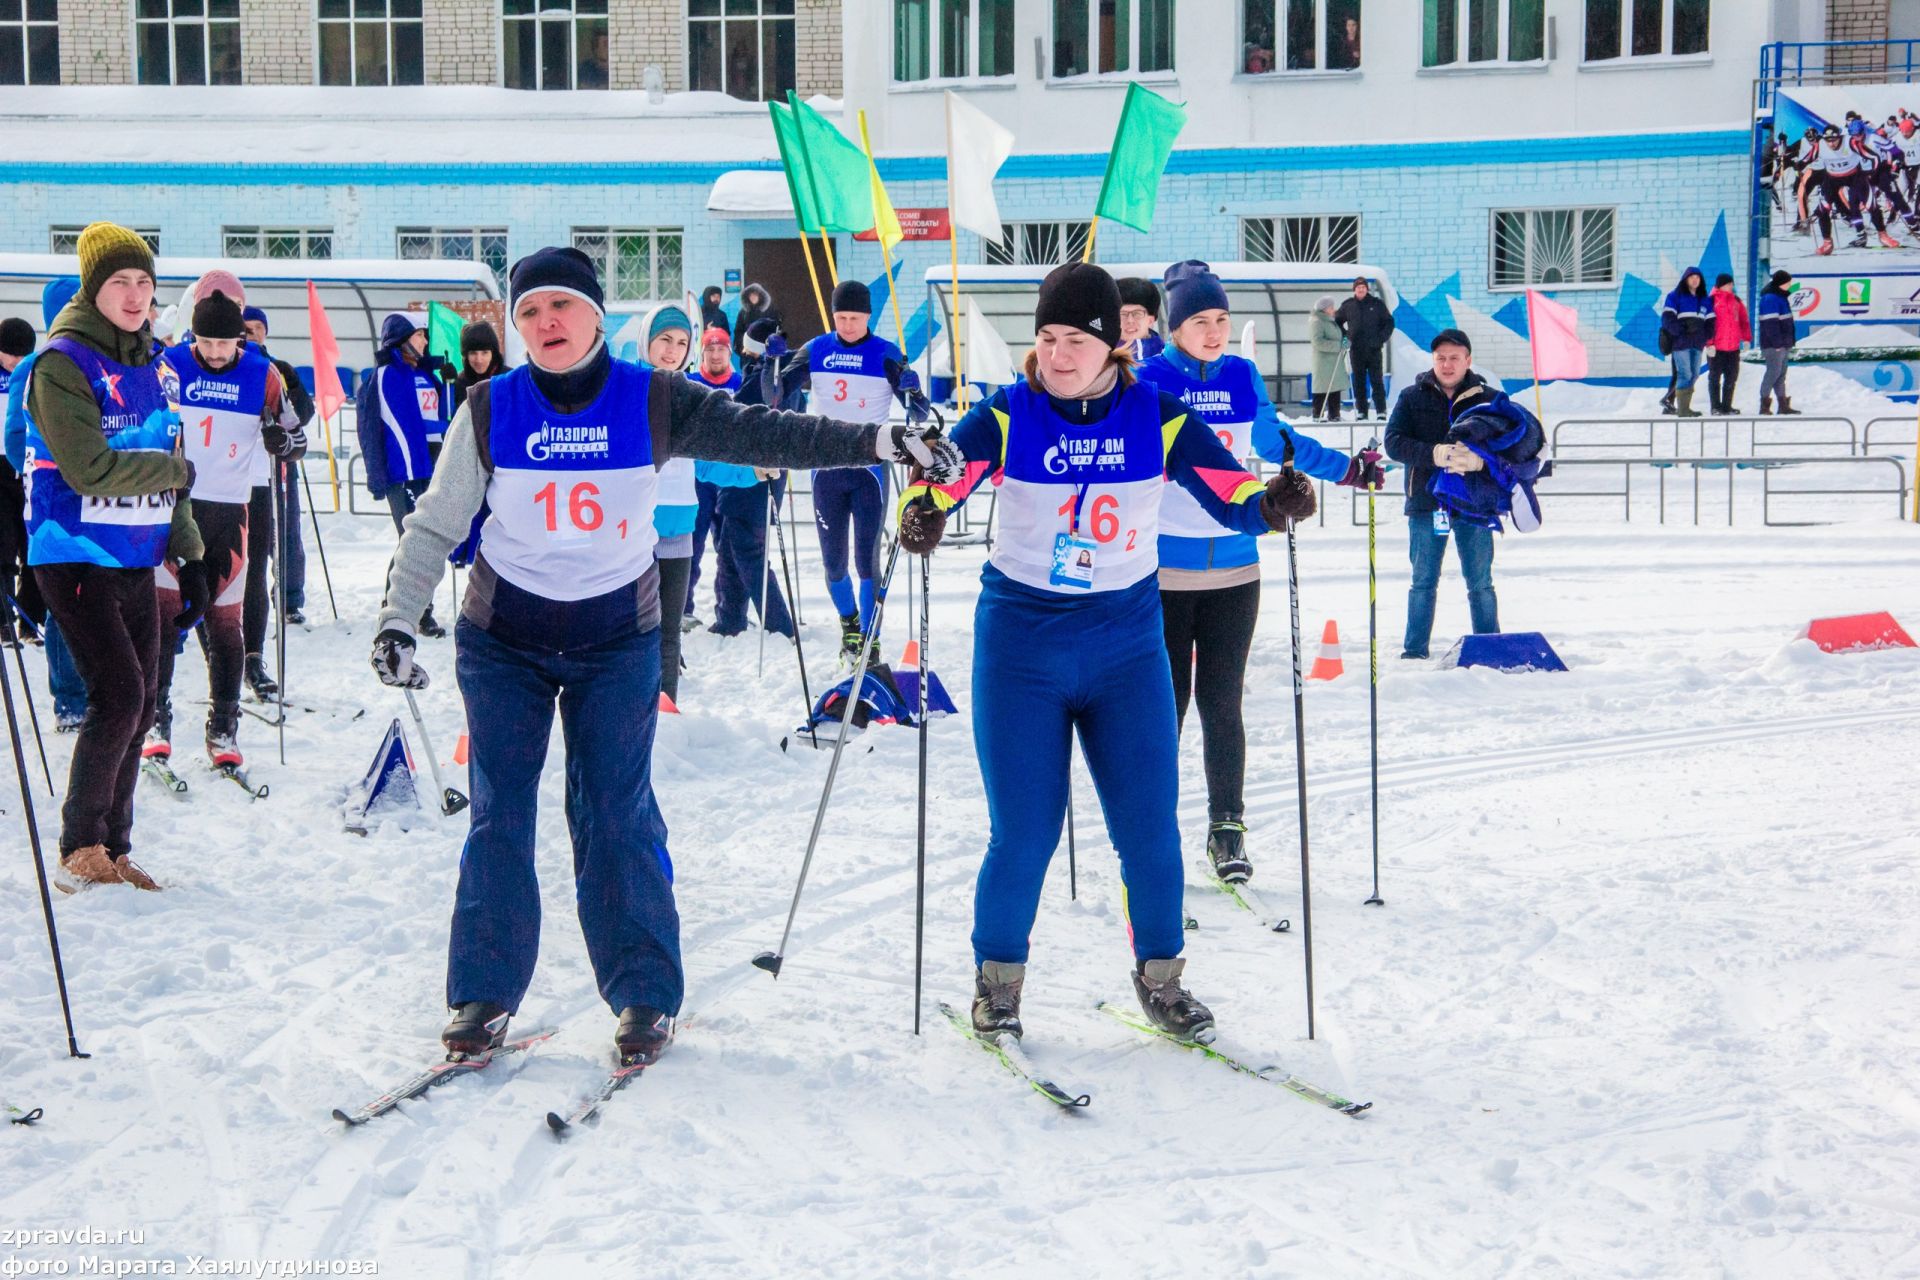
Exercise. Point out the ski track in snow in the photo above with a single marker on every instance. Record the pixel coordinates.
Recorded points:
(1639, 1003)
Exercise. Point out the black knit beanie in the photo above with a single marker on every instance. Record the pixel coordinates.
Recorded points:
(1083, 296)
(565, 269)
(851, 295)
(16, 337)
(218, 316)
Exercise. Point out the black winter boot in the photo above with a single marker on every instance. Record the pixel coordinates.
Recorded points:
(1226, 849)
(1170, 1006)
(644, 1033)
(477, 1027)
(996, 1000)
(265, 689)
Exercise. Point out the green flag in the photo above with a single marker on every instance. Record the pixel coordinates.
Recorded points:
(1141, 145)
(443, 334)
(799, 188)
(834, 170)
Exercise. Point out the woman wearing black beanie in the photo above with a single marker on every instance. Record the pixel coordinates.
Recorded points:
(480, 359)
(1067, 632)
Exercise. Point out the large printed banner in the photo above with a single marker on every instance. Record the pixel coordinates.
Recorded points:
(1846, 179)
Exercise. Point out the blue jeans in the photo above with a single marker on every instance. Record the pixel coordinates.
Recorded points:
(1045, 664)
(1686, 366)
(608, 696)
(69, 690)
(1425, 548)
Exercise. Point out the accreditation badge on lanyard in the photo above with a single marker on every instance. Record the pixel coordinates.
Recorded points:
(1073, 553)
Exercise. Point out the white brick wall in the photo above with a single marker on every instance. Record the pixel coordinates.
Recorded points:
(462, 41)
(643, 32)
(277, 42)
(96, 42)
(816, 40)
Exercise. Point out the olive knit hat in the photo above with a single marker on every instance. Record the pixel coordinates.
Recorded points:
(107, 247)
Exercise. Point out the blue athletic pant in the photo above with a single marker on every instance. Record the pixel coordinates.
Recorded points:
(740, 549)
(850, 498)
(608, 696)
(1045, 664)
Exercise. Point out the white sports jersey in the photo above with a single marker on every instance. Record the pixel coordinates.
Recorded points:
(220, 422)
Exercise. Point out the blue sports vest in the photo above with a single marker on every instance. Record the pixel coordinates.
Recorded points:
(220, 422)
(65, 527)
(850, 383)
(572, 495)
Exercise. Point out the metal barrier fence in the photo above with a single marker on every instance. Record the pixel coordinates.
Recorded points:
(1788, 433)
(1766, 468)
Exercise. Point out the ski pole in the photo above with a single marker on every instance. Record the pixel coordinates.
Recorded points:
(799, 650)
(39, 861)
(320, 543)
(766, 584)
(1373, 684)
(1073, 871)
(451, 801)
(26, 692)
(1299, 740)
(920, 853)
(277, 494)
(772, 960)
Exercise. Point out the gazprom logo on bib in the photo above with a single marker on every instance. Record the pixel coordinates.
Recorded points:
(567, 442)
(1054, 459)
(201, 390)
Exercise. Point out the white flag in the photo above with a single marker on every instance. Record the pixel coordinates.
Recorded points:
(988, 359)
(976, 148)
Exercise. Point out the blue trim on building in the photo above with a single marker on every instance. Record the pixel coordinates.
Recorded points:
(1207, 160)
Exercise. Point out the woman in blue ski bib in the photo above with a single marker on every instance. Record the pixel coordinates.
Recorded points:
(1068, 630)
(563, 608)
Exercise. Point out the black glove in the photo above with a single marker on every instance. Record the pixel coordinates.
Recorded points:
(924, 447)
(1364, 472)
(393, 660)
(922, 524)
(196, 593)
(1289, 496)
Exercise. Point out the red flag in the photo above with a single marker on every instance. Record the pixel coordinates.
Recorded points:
(326, 356)
(1552, 331)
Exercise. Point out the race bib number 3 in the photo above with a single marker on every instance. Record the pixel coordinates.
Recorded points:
(1073, 562)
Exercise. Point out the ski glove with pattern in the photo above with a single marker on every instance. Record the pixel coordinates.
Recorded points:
(393, 660)
(922, 446)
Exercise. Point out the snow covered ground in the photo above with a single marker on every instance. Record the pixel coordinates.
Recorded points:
(1639, 1004)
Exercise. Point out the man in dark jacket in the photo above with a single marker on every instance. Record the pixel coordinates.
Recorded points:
(1776, 340)
(1417, 439)
(1368, 324)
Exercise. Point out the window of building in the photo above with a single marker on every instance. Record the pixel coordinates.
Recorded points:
(952, 39)
(554, 44)
(1315, 238)
(29, 42)
(1645, 28)
(481, 244)
(745, 51)
(1494, 31)
(277, 242)
(639, 264)
(1038, 244)
(1552, 248)
(1112, 37)
(1299, 35)
(372, 42)
(67, 239)
(188, 41)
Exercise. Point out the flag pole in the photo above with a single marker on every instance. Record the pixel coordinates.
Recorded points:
(1533, 353)
(1093, 229)
(886, 253)
(955, 323)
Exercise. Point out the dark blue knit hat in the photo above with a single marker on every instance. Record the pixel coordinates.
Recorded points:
(253, 314)
(1192, 288)
(564, 269)
(397, 328)
(851, 295)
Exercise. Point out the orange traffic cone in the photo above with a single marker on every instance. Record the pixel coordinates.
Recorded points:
(666, 705)
(1328, 665)
(911, 658)
(460, 750)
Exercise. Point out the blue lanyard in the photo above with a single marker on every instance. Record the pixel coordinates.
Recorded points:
(1079, 499)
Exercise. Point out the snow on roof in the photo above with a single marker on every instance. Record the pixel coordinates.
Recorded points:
(751, 193)
(438, 124)
(1230, 273)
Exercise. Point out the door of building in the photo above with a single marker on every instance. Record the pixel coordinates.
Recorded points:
(780, 267)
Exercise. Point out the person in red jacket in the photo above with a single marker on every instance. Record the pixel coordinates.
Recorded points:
(1730, 333)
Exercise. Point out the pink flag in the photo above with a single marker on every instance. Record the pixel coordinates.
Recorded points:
(326, 356)
(1557, 349)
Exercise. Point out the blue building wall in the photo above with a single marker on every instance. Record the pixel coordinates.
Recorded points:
(1425, 215)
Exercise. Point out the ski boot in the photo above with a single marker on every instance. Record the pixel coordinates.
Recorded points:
(1888, 241)
(1170, 1006)
(159, 743)
(644, 1034)
(1825, 246)
(1859, 240)
(265, 689)
(430, 626)
(996, 1000)
(477, 1027)
(1226, 849)
(296, 617)
(223, 733)
(850, 638)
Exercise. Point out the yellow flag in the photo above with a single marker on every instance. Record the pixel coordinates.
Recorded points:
(886, 223)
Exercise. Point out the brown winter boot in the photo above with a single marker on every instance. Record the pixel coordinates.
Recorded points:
(131, 873)
(85, 867)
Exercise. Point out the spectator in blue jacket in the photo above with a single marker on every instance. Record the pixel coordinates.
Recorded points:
(1776, 334)
(1687, 322)
(401, 414)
